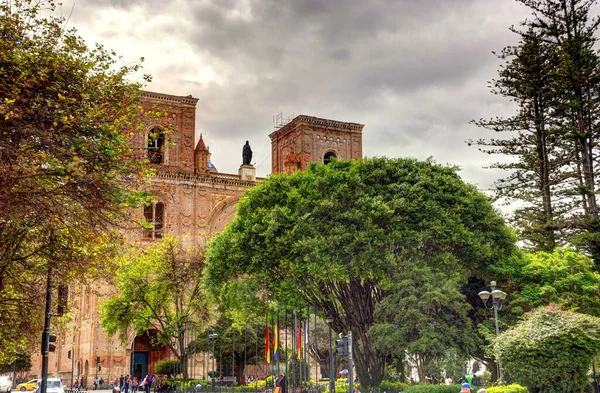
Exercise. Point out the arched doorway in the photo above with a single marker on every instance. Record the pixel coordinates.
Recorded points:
(328, 156)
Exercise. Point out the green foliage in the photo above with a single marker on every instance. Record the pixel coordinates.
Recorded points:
(332, 235)
(514, 388)
(424, 311)
(392, 386)
(551, 75)
(158, 290)
(167, 366)
(252, 386)
(550, 351)
(433, 389)
(565, 277)
(67, 115)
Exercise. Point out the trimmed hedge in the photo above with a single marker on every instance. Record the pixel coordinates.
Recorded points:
(433, 389)
(514, 388)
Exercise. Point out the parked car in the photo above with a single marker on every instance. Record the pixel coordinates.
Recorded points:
(5, 384)
(29, 385)
(53, 385)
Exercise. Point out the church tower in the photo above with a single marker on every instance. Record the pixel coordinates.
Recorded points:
(201, 158)
(308, 138)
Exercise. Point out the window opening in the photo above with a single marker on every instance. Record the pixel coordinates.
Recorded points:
(156, 142)
(328, 156)
(155, 215)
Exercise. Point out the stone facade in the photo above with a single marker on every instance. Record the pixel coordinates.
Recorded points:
(307, 138)
(193, 201)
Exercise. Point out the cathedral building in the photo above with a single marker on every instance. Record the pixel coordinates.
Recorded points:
(193, 201)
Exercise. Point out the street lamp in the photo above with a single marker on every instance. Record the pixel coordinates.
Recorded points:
(329, 321)
(211, 337)
(497, 298)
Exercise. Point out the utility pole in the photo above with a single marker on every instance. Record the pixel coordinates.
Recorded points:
(350, 365)
(46, 334)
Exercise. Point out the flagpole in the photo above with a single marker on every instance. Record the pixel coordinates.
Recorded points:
(277, 338)
(294, 335)
(316, 352)
(287, 351)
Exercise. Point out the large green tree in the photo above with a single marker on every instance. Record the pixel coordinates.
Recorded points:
(330, 236)
(423, 316)
(159, 292)
(551, 76)
(67, 172)
(528, 78)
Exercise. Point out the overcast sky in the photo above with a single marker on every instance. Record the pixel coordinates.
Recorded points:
(413, 71)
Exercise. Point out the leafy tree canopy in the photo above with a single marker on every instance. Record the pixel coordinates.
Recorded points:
(333, 235)
(159, 293)
(67, 170)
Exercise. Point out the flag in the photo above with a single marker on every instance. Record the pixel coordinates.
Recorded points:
(276, 342)
(267, 345)
(299, 341)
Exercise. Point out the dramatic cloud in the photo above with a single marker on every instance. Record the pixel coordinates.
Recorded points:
(414, 72)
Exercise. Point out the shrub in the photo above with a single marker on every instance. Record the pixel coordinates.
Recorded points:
(341, 380)
(550, 351)
(387, 386)
(433, 389)
(514, 388)
(167, 366)
(270, 380)
(260, 384)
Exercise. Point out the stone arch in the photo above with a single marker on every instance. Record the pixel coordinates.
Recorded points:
(329, 154)
(222, 214)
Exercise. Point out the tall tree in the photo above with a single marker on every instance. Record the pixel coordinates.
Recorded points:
(528, 78)
(552, 75)
(424, 315)
(67, 172)
(159, 292)
(567, 25)
(328, 236)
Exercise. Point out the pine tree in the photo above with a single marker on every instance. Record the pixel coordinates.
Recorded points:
(528, 78)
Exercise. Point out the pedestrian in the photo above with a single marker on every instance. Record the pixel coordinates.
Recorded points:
(126, 382)
(283, 383)
(356, 389)
(149, 380)
(482, 390)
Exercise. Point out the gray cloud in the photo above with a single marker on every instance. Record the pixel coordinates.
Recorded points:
(413, 71)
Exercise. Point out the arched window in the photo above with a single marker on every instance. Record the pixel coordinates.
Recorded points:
(328, 156)
(156, 144)
(154, 214)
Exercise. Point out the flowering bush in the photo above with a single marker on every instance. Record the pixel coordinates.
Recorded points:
(514, 388)
(550, 351)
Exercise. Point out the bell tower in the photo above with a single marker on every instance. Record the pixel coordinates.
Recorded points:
(307, 138)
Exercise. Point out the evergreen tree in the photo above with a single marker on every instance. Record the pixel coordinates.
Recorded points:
(528, 78)
(552, 76)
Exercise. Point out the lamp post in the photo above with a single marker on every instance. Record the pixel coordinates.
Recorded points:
(212, 336)
(497, 298)
(329, 321)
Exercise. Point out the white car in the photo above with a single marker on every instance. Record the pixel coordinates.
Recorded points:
(5, 384)
(53, 385)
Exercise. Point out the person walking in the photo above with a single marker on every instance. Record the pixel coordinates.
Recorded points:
(283, 383)
(149, 380)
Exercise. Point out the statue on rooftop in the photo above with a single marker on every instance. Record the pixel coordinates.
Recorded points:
(246, 154)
